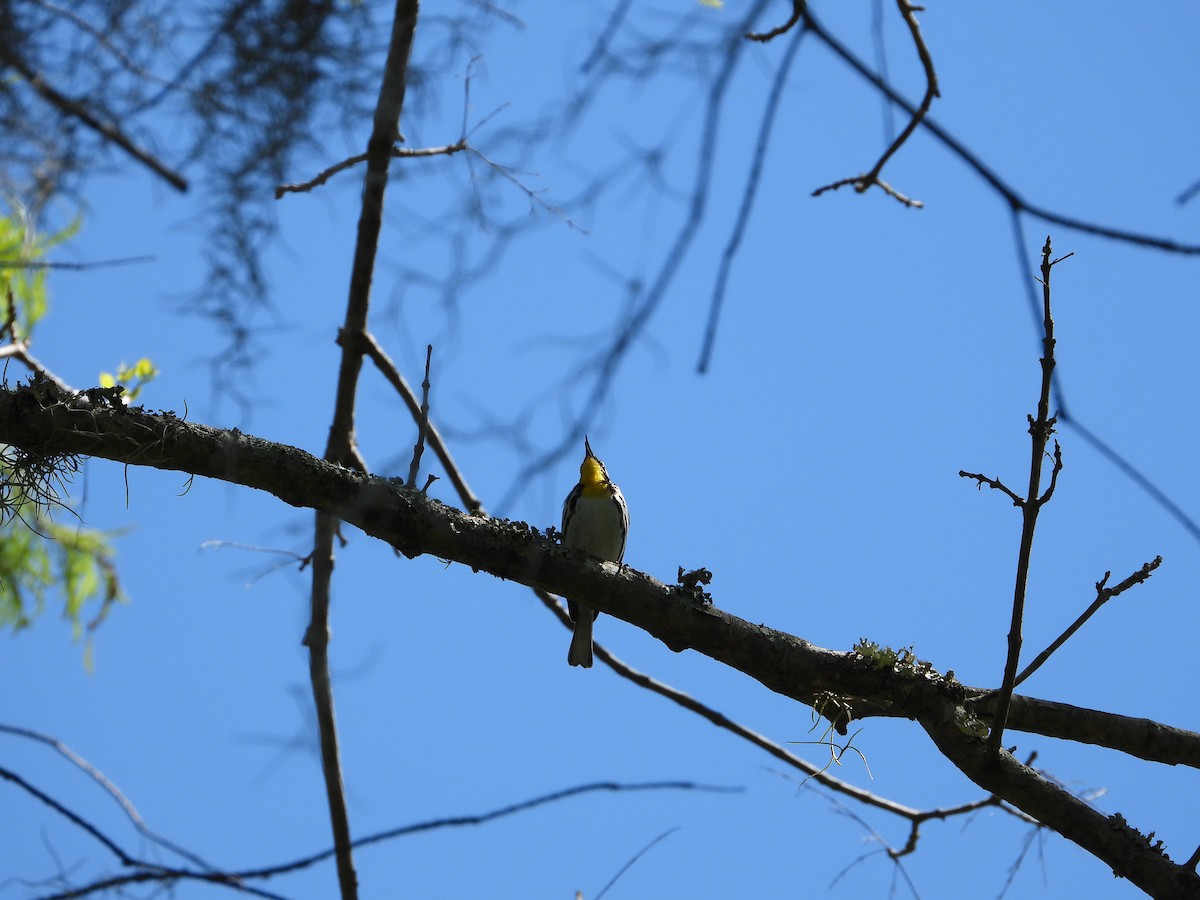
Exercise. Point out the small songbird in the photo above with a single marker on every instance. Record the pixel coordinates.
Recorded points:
(595, 520)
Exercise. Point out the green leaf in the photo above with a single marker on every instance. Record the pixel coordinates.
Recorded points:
(132, 378)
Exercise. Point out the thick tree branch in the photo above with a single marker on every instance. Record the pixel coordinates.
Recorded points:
(40, 420)
(1110, 838)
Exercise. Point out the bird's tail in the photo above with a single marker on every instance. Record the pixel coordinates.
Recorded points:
(580, 653)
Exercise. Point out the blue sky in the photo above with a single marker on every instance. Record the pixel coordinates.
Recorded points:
(866, 354)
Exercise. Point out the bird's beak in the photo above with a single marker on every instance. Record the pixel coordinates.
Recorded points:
(588, 447)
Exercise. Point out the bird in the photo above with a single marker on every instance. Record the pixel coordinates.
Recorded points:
(595, 519)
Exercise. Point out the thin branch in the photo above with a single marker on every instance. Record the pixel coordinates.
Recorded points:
(893, 855)
(422, 422)
(633, 859)
(1054, 470)
(77, 110)
(535, 197)
(797, 13)
(749, 195)
(1040, 430)
(388, 369)
(642, 680)
(397, 153)
(73, 266)
(102, 39)
(73, 817)
(111, 789)
(607, 360)
(1103, 595)
(881, 63)
(1068, 418)
(999, 185)
(1184, 198)
(18, 348)
(482, 819)
(995, 484)
(150, 873)
(600, 49)
(1156, 493)
(862, 182)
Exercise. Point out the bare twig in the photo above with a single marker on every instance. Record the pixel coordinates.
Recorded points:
(388, 369)
(73, 266)
(690, 703)
(1103, 595)
(995, 484)
(77, 110)
(1010, 194)
(629, 862)
(422, 422)
(1185, 197)
(535, 197)
(18, 347)
(102, 40)
(764, 36)
(749, 194)
(397, 153)
(144, 872)
(1040, 430)
(861, 183)
(111, 789)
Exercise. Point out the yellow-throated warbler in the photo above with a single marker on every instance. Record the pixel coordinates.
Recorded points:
(595, 520)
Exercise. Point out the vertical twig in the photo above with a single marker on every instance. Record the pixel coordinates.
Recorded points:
(1040, 430)
(423, 423)
(341, 445)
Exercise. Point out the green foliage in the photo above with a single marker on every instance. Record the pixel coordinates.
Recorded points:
(133, 378)
(22, 283)
(39, 557)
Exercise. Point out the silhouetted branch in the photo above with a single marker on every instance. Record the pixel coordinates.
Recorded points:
(1040, 430)
(149, 873)
(397, 152)
(422, 422)
(1005, 190)
(863, 182)
(110, 131)
(388, 369)
(1103, 595)
(72, 266)
(340, 448)
(749, 195)
(111, 789)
